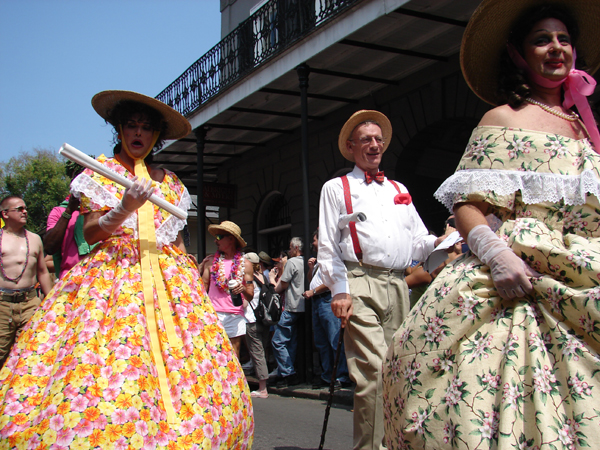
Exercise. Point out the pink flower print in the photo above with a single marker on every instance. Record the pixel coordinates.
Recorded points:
(155, 414)
(418, 420)
(449, 432)
(579, 387)
(122, 352)
(222, 359)
(568, 434)
(203, 402)
(511, 395)
(13, 408)
(119, 417)
(79, 403)
(131, 373)
(162, 439)
(403, 199)
(543, 378)
(453, 393)
(141, 428)
(489, 429)
(84, 428)
(65, 437)
(133, 414)
(56, 423)
(186, 428)
(571, 346)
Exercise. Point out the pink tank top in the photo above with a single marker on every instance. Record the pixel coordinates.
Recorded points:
(221, 300)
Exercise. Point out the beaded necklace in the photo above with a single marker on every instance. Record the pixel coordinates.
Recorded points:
(217, 271)
(14, 280)
(570, 117)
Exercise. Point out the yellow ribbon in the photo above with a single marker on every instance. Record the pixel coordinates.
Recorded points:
(151, 269)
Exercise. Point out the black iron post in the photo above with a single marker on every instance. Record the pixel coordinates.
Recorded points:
(303, 72)
(200, 133)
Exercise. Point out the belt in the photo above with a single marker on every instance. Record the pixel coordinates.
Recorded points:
(321, 295)
(374, 269)
(18, 297)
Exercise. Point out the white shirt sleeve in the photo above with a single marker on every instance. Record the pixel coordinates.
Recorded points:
(391, 237)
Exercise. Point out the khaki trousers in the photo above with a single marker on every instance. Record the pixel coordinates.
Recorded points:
(380, 301)
(13, 317)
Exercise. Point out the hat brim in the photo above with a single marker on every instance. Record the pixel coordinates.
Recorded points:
(177, 126)
(488, 31)
(360, 117)
(215, 229)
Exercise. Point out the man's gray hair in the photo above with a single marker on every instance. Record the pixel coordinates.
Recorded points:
(297, 242)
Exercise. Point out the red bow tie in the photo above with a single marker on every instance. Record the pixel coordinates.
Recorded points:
(377, 178)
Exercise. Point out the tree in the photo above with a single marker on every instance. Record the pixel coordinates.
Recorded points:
(40, 177)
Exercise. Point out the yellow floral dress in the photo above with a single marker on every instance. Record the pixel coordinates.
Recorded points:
(82, 374)
(469, 370)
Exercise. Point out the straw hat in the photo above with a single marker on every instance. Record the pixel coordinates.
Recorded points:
(359, 117)
(228, 227)
(177, 125)
(488, 31)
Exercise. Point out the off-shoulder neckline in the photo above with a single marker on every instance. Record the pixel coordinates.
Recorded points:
(525, 130)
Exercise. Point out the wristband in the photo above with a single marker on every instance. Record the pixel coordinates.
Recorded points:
(66, 215)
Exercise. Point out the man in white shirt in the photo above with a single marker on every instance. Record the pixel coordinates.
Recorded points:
(365, 272)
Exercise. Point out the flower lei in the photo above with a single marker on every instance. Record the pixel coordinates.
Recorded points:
(217, 271)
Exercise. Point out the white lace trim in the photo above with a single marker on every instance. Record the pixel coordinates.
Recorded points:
(166, 232)
(535, 187)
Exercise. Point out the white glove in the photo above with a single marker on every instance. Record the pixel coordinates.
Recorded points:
(509, 272)
(133, 198)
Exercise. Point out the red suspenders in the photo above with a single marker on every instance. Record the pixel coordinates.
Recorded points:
(352, 225)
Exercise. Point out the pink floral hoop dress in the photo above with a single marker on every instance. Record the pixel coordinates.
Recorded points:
(469, 370)
(82, 374)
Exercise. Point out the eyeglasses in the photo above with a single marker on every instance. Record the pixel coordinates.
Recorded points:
(367, 140)
(218, 237)
(21, 209)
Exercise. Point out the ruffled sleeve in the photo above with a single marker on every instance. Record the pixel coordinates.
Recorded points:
(499, 162)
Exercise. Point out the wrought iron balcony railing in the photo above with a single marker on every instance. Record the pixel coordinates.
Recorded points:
(271, 30)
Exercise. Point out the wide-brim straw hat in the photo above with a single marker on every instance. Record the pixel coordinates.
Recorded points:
(359, 117)
(488, 31)
(228, 227)
(177, 126)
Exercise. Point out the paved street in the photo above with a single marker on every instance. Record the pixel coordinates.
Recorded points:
(288, 423)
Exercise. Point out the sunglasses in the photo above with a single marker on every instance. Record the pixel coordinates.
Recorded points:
(218, 237)
(21, 209)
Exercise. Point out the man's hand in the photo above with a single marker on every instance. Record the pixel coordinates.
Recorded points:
(311, 263)
(73, 205)
(341, 306)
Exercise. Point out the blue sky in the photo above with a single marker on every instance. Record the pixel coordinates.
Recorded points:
(56, 54)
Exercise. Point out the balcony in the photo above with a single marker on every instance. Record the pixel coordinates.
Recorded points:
(274, 28)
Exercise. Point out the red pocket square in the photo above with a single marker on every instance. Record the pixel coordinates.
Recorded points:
(402, 199)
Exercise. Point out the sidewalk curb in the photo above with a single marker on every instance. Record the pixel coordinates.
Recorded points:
(340, 397)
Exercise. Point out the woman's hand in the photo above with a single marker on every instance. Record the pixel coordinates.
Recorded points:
(136, 195)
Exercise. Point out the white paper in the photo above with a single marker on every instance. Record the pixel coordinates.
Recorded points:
(439, 254)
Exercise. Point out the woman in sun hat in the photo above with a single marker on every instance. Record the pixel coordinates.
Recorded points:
(226, 266)
(502, 350)
(127, 350)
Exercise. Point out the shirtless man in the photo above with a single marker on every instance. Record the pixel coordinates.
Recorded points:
(22, 265)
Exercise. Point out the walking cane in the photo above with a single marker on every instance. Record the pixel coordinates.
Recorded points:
(332, 386)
